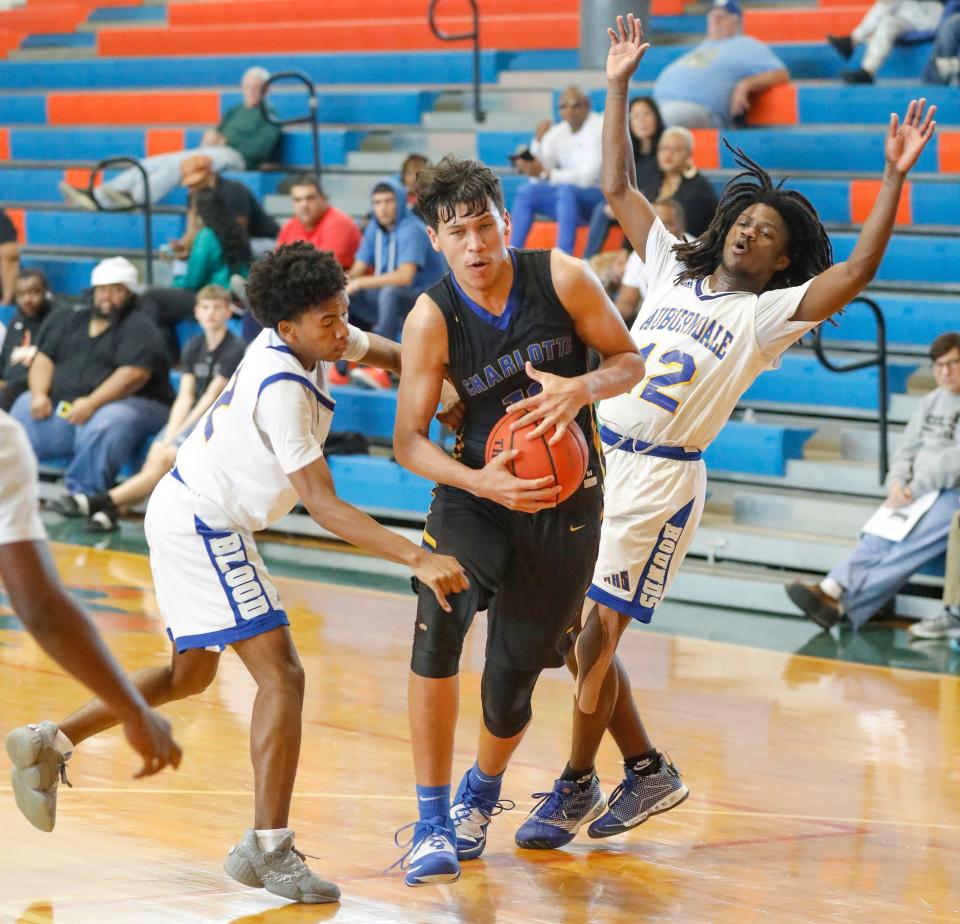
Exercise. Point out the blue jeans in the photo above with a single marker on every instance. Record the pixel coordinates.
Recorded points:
(100, 446)
(384, 310)
(571, 206)
(877, 568)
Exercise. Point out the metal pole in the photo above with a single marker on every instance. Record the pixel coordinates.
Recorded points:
(312, 116)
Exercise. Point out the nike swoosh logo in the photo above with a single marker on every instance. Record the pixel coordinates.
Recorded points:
(574, 529)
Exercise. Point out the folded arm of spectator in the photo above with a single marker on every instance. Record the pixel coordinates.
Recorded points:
(121, 383)
(39, 380)
(402, 276)
(757, 83)
(183, 416)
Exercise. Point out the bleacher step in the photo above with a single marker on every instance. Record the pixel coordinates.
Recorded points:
(834, 518)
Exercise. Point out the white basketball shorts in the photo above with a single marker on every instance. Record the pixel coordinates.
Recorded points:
(212, 586)
(19, 495)
(651, 509)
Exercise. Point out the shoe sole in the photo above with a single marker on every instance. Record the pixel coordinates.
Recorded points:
(240, 869)
(472, 852)
(435, 879)
(610, 832)
(32, 804)
(17, 749)
(542, 844)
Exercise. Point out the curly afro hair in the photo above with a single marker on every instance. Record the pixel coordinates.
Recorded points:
(291, 280)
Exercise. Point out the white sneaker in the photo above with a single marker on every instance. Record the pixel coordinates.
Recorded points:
(38, 768)
(944, 625)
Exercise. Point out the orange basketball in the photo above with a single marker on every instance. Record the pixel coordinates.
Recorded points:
(565, 460)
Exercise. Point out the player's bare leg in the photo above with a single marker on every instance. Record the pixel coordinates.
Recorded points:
(433, 704)
(266, 856)
(493, 754)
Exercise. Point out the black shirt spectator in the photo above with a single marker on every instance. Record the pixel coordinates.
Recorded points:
(699, 200)
(83, 362)
(242, 203)
(205, 365)
(23, 330)
(9, 258)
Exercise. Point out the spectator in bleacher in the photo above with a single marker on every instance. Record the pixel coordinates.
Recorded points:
(9, 258)
(712, 85)
(34, 304)
(564, 170)
(197, 173)
(683, 181)
(317, 222)
(884, 22)
(220, 249)
(243, 140)
(646, 126)
(944, 64)
(208, 360)
(99, 385)
(927, 459)
(394, 265)
(411, 166)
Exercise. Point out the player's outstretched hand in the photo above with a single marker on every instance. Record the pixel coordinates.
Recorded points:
(443, 574)
(627, 49)
(150, 736)
(556, 404)
(905, 141)
(528, 495)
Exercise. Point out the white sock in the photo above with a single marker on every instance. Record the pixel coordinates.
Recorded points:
(833, 590)
(269, 839)
(63, 744)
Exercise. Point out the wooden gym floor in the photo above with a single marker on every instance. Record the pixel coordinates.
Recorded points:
(820, 790)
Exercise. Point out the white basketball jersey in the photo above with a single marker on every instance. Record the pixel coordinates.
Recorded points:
(702, 351)
(19, 495)
(271, 420)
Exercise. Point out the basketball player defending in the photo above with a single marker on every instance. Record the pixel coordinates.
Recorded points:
(509, 328)
(65, 632)
(719, 311)
(251, 457)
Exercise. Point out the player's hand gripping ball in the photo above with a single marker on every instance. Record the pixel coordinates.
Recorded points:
(566, 460)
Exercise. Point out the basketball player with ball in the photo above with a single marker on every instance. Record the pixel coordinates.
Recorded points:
(511, 329)
(719, 311)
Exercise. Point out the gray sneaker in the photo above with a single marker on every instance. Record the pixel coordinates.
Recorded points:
(282, 871)
(945, 624)
(38, 768)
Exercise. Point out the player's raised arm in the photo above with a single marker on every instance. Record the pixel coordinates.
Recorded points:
(630, 206)
(833, 288)
(600, 326)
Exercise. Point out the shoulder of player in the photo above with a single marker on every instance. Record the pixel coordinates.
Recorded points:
(572, 279)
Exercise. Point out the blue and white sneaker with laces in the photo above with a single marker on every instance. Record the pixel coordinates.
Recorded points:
(555, 820)
(638, 797)
(432, 857)
(471, 813)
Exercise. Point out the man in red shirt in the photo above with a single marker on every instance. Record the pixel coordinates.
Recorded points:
(316, 221)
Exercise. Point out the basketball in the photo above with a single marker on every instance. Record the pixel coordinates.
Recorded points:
(565, 460)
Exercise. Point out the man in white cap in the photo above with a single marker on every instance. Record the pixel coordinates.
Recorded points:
(712, 85)
(98, 385)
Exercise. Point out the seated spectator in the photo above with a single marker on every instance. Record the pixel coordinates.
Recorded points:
(394, 264)
(633, 282)
(683, 181)
(208, 361)
(646, 127)
(197, 173)
(243, 140)
(944, 64)
(928, 459)
(316, 221)
(564, 171)
(411, 166)
(879, 29)
(946, 623)
(99, 385)
(34, 304)
(712, 85)
(220, 249)
(9, 258)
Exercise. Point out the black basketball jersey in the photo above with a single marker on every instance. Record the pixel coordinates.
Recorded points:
(488, 352)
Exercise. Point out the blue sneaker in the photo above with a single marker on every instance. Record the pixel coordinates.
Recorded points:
(471, 813)
(555, 820)
(639, 797)
(431, 858)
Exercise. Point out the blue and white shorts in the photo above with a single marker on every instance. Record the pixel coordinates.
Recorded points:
(212, 586)
(651, 509)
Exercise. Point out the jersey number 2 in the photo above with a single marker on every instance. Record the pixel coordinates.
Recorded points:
(681, 376)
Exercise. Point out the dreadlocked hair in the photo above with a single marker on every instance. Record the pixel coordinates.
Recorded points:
(808, 247)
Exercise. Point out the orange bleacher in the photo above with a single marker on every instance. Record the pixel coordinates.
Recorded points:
(802, 24)
(133, 108)
(530, 31)
(776, 106)
(45, 19)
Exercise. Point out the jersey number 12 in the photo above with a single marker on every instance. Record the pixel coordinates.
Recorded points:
(678, 376)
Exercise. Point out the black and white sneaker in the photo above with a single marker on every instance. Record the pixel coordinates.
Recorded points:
(72, 505)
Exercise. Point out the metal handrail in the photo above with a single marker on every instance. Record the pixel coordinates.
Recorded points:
(474, 36)
(879, 359)
(147, 204)
(310, 117)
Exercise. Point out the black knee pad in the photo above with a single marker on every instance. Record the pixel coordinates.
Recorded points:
(505, 694)
(438, 636)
